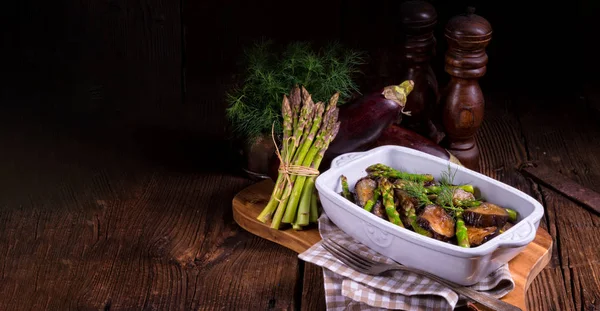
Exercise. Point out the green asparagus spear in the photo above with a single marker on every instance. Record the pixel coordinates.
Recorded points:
(288, 129)
(296, 226)
(462, 236)
(412, 216)
(467, 188)
(512, 214)
(382, 170)
(302, 219)
(371, 202)
(345, 188)
(467, 203)
(388, 201)
(295, 105)
(314, 208)
(437, 189)
(286, 153)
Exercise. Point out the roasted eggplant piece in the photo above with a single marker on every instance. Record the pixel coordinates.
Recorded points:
(478, 236)
(407, 201)
(408, 207)
(364, 190)
(404, 203)
(460, 196)
(379, 210)
(486, 215)
(436, 220)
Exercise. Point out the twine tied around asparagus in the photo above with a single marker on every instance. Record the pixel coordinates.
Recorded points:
(285, 166)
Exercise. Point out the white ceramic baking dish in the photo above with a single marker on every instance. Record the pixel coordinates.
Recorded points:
(465, 266)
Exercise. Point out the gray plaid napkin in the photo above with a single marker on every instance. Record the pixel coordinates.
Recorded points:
(346, 289)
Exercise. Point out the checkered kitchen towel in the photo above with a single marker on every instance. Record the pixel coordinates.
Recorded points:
(346, 289)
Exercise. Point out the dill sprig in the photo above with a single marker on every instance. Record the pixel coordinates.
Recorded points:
(414, 189)
(445, 199)
(447, 188)
(446, 195)
(447, 178)
(270, 72)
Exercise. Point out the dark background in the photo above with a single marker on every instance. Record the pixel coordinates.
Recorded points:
(166, 64)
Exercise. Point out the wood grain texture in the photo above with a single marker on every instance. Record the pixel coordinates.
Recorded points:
(91, 221)
(548, 177)
(566, 139)
(504, 147)
(248, 203)
(313, 292)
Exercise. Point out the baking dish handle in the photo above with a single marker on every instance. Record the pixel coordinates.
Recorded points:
(345, 158)
(521, 237)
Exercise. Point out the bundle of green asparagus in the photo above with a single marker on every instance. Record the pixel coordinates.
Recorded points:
(308, 129)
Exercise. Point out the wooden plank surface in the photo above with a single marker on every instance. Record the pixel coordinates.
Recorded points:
(313, 292)
(549, 177)
(100, 221)
(503, 147)
(566, 139)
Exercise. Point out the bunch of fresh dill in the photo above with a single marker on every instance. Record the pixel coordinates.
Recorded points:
(269, 73)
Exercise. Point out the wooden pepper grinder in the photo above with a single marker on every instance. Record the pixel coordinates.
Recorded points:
(467, 36)
(418, 20)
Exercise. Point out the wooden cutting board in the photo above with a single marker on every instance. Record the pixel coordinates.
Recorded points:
(248, 203)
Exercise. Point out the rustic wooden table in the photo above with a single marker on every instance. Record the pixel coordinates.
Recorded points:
(100, 217)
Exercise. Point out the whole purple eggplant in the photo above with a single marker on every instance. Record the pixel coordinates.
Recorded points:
(363, 120)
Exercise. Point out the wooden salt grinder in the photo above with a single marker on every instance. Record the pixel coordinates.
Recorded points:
(418, 20)
(467, 36)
